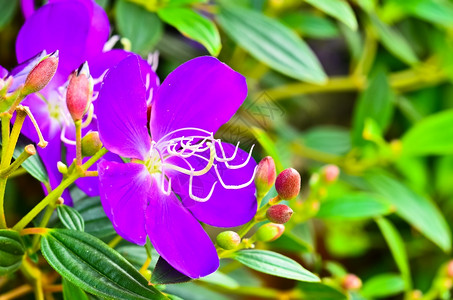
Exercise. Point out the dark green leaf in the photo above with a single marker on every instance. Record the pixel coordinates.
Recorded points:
(432, 135)
(319, 291)
(90, 264)
(419, 211)
(394, 42)
(7, 10)
(193, 26)
(70, 218)
(141, 27)
(274, 263)
(383, 285)
(376, 103)
(164, 273)
(272, 43)
(11, 251)
(338, 9)
(96, 221)
(72, 292)
(354, 206)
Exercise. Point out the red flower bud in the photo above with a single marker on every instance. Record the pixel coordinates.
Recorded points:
(279, 213)
(228, 240)
(91, 143)
(265, 176)
(288, 184)
(351, 282)
(330, 173)
(41, 74)
(269, 232)
(80, 91)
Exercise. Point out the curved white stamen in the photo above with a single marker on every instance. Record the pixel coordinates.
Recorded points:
(199, 199)
(153, 60)
(89, 116)
(224, 158)
(191, 171)
(110, 43)
(64, 139)
(183, 129)
(243, 164)
(234, 187)
(162, 187)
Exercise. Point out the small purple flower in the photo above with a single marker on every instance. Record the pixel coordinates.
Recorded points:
(180, 174)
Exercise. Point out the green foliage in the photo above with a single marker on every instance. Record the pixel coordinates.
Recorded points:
(70, 218)
(12, 251)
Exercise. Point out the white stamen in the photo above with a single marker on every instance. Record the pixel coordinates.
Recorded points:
(110, 43)
(234, 187)
(64, 138)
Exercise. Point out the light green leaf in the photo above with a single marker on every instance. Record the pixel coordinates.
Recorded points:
(272, 43)
(394, 42)
(70, 218)
(311, 25)
(376, 103)
(7, 10)
(275, 264)
(269, 146)
(328, 139)
(141, 27)
(72, 292)
(338, 9)
(431, 136)
(90, 264)
(220, 279)
(194, 26)
(319, 291)
(433, 11)
(418, 211)
(354, 206)
(397, 248)
(383, 285)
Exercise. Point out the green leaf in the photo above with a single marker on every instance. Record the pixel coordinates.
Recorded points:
(220, 279)
(272, 43)
(164, 273)
(338, 9)
(328, 139)
(274, 263)
(376, 103)
(431, 136)
(436, 12)
(194, 26)
(269, 146)
(72, 292)
(141, 27)
(7, 11)
(96, 221)
(418, 211)
(90, 264)
(383, 285)
(394, 42)
(136, 255)
(311, 25)
(11, 251)
(397, 248)
(103, 3)
(354, 206)
(318, 291)
(70, 218)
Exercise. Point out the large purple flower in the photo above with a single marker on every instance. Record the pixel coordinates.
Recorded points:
(79, 29)
(180, 174)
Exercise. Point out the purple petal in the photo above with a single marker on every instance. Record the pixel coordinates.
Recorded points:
(63, 26)
(124, 190)
(3, 73)
(28, 7)
(226, 207)
(20, 73)
(177, 236)
(121, 111)
(202, 93)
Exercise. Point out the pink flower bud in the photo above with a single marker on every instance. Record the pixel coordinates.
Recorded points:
(91, 143)
(351, 282)
(330, 173)
(80, 91)
(269, 232)
(288, 184)
(279, 213)
(265, 176)
(41, 74)
(450, 269)
(228, 240)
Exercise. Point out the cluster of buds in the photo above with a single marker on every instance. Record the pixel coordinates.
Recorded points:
(80, 92)
(269, 232)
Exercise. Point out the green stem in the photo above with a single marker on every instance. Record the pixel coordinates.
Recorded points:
(44, 221)
(5, 118)
(5, 173)
(78, 127)
(18, 172)
(53, 196)
(15, 132)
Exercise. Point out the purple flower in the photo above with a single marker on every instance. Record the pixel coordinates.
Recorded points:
(79, 29)
(180, 174)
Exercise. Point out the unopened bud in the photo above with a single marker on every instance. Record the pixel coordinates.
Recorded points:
(269, 232)
(91, 143)
(62, 168)
(79, 93)
(228, 240)
(351, 282)
(279, 213)
(288, 184)
(265, 176)
(450, 269)
(41, 74)
(330, 173)
(60, 201)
